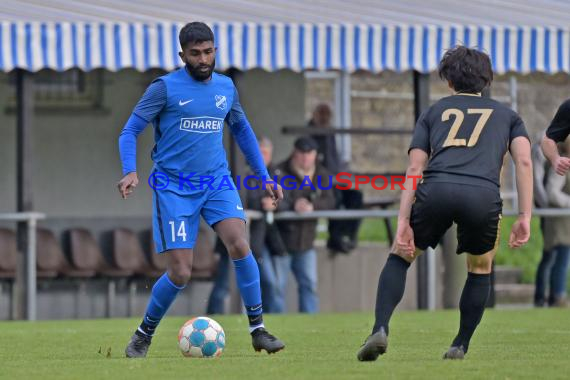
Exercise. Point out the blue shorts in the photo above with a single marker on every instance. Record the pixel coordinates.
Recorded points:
(176, 212)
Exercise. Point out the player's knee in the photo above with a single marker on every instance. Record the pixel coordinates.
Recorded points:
(179, 273)
(479, 264)
(237, 247)
(409, 258)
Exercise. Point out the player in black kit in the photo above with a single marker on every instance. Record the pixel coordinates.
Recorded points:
(458, 147)
(557, 132)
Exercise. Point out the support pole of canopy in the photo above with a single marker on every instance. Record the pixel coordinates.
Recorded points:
(25, 276)
(421, 103)
(513, 95)
(455, 270)
(346, 115)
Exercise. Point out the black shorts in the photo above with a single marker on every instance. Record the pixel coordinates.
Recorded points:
(475, 209)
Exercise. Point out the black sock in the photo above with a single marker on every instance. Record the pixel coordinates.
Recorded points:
(472, 305)
(147, 327)
(255, 321)
(391, 287)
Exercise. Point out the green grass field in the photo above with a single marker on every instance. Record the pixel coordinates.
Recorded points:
(508, 345)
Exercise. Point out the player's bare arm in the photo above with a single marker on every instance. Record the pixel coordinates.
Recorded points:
(560, 164)
(520, 151)
(405, 236)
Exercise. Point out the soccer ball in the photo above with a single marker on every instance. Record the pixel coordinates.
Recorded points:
(201, 337)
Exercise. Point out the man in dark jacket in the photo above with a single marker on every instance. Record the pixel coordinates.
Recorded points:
(308, 187)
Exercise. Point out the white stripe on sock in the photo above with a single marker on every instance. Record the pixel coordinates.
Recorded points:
(142, 332)
(253, 328)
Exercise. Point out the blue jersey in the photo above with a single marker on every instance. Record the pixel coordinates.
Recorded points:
(189, 129)
(188, 118)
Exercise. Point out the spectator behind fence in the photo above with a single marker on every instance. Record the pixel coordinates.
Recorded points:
(265, 242)
(343, 234)
(557, 236)
(299, 235)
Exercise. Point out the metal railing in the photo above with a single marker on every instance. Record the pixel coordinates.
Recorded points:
(392, 213)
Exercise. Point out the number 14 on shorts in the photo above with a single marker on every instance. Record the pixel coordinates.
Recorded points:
(178, 233)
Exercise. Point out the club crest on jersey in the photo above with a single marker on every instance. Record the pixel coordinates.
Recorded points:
(221, 102)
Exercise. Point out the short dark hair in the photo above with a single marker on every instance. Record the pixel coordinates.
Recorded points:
(468, 70)
(195, 32)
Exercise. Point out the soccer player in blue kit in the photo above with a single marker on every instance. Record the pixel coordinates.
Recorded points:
(188, 108)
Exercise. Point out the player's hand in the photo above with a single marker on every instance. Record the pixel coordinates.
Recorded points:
(561, 165)
(127, 184)
(520, 233)
(274, 191)
(405, 239)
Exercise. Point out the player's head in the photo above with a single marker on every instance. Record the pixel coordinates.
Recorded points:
(466, 70)
(266, 148)
(305, 153)
(198, 51)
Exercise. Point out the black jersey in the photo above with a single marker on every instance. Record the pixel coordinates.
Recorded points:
(559, 128)
(466, 138)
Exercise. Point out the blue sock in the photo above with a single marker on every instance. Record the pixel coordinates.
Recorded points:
(164, 292)
(247, 276)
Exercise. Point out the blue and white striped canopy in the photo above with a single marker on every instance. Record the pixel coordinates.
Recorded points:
(273, 46)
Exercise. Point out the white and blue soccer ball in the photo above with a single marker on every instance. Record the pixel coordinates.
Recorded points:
(201, 337)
